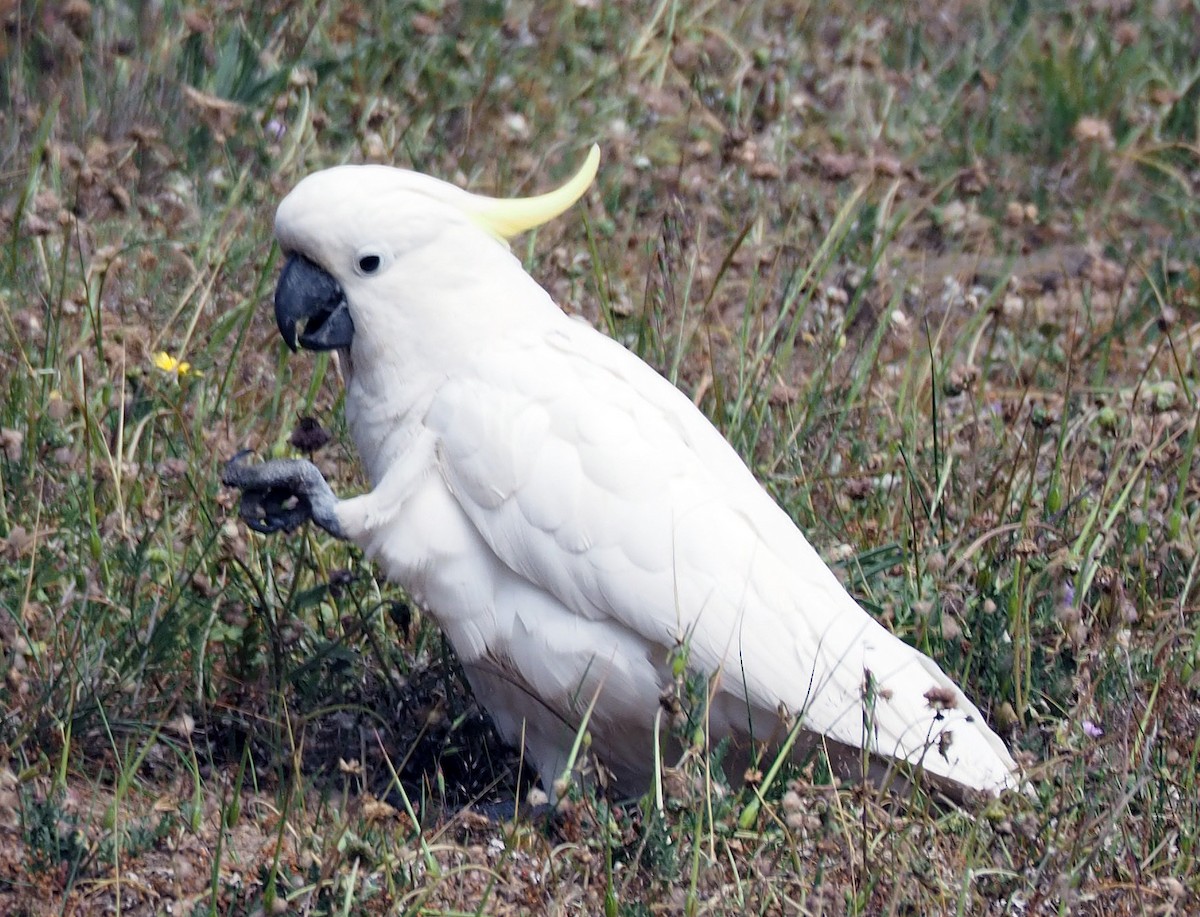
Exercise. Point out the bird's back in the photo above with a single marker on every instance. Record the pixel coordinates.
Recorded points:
(631, 530)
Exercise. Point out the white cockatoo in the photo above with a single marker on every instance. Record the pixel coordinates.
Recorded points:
(571, 520)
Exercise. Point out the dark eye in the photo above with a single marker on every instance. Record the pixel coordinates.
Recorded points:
(369, 264)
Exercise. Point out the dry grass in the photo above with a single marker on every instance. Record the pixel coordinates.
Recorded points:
(934, 273)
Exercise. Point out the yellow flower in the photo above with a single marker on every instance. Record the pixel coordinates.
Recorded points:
(175, 367)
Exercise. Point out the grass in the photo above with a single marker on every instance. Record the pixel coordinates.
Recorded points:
(934, 275)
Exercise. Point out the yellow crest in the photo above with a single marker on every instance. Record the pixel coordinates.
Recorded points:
(508, 217)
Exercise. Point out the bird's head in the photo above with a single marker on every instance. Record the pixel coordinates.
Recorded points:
(363, 238)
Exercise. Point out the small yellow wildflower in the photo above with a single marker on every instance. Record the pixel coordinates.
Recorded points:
(173, 366)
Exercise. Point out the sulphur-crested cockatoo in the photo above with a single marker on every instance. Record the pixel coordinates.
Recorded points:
(571, 520)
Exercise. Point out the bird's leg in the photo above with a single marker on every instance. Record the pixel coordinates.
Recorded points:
(283, 494)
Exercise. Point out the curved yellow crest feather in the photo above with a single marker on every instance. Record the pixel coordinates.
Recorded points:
(508, 217)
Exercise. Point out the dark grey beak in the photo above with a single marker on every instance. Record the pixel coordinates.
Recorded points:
(309, 295)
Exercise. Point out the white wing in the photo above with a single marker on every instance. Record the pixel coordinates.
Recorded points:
(599, 483)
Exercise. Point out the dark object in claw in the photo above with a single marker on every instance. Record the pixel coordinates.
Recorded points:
(275, 509)
(266, 508)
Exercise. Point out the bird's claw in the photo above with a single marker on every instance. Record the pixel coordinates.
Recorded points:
(270, 503)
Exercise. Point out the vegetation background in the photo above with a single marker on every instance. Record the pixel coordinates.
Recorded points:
(931, 267)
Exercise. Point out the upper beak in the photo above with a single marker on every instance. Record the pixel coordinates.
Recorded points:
(308, 294)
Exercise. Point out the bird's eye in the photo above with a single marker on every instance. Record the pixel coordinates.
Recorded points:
(371, 259)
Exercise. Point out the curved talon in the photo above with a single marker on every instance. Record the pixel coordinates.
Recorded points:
(237, 473)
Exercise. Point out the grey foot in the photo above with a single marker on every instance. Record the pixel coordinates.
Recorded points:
(282, 494)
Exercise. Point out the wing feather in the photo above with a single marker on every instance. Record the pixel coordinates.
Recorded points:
(594, 479)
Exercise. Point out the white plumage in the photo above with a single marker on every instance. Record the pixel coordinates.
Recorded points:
(570, 518)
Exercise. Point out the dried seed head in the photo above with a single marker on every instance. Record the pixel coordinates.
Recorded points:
(374, 810)
(1012, 308)
(792, 802)
(12, 443)
(940, 697)
(973, 181)
(183, 725)
(951, 629)
(960, 378)
(1067, 614)
(1128, 611)
(308, 435)
(1078, 634)
(1095, 131)
(1006, 716)
(1107, 579)
(1025, 547)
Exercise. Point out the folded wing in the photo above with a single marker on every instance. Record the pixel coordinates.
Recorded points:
(599, 483)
